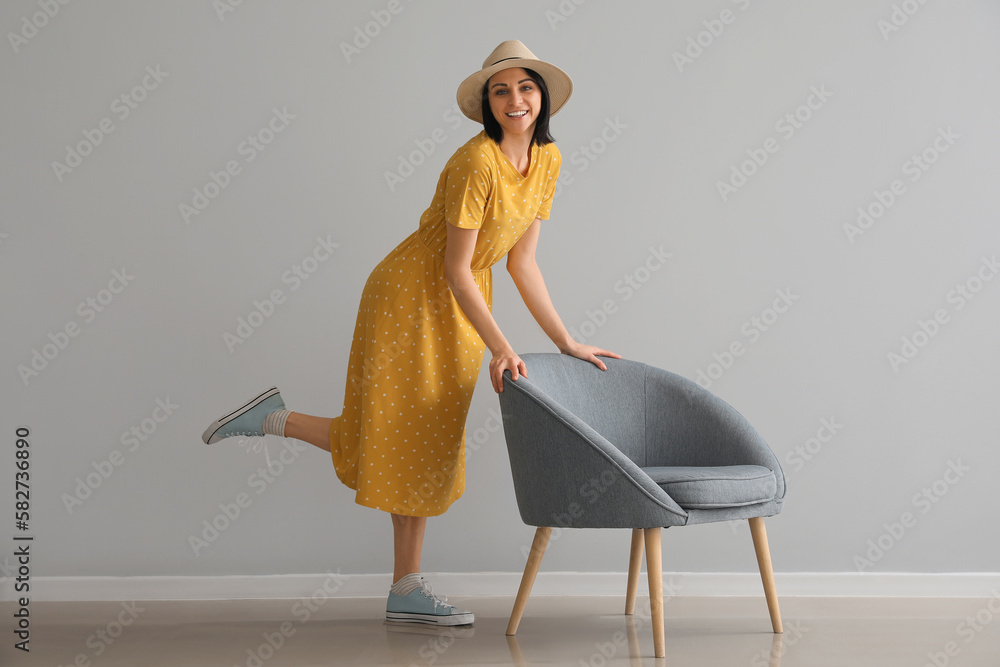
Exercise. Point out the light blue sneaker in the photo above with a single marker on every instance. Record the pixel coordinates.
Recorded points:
(246, 420)
(422, 606)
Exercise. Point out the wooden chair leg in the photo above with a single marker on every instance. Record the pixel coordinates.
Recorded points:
(634, 564)
(766, 574)
(528, 579)
(654, 569)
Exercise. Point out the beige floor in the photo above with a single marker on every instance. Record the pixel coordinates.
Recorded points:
(576, 632)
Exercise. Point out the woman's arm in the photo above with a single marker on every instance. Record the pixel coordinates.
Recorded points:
(461, 246)
(528, 278)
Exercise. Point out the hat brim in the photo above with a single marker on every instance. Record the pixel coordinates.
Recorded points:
(470, 91)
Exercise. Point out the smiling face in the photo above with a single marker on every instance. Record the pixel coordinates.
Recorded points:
(515, 100)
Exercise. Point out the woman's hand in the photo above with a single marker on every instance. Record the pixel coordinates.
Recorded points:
(589, 353)
(504, 361)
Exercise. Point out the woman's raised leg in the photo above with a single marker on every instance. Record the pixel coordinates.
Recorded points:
(314, 430)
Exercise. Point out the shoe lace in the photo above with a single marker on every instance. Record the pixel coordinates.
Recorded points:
(439, 600)
(254, 444)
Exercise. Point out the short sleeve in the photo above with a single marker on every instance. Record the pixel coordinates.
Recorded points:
(550, 186)
(468, 184)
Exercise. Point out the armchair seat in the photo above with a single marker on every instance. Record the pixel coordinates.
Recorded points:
(714, 487)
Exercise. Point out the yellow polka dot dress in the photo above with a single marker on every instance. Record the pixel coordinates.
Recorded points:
(415, 358)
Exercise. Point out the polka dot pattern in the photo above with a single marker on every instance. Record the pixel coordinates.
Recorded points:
(415, 357)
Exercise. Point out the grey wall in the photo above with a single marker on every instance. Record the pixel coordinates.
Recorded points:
(645, 141)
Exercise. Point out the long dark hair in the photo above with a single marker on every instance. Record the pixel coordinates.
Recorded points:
(541, 135)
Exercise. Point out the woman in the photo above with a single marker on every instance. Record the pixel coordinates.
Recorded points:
(425, 317)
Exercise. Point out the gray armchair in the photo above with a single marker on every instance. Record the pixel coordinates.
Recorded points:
(632, 447)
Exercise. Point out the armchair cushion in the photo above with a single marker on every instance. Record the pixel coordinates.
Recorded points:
(712, 487)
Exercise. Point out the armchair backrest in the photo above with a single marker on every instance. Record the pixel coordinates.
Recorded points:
(693, 427)
(655, 417)
(612, 402)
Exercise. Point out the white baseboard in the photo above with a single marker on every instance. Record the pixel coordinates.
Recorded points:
(469, 584)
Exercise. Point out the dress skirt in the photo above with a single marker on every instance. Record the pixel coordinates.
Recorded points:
(414, 363)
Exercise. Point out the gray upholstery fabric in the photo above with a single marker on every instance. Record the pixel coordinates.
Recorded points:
(578, 439)
(695, 487)
(615, 407)
(697, 428)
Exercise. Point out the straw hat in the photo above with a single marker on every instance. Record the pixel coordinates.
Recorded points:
(513, 53)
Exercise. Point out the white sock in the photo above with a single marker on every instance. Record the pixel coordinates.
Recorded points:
(407, 584)
(274, 423)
